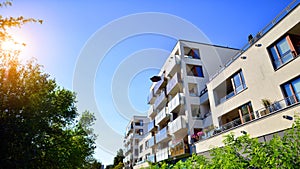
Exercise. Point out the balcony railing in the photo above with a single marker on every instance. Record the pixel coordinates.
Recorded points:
(151, 158)
(151, 97)
(177, 125)
(260, 34)
(162, 154)
(151, 111)
(160, 84)
(175, 102)
(162, 115)
(161, 135)
(151, 141)
(173, 62)
(174, 82)
(160, 99)
(151, 125)
(279, 105)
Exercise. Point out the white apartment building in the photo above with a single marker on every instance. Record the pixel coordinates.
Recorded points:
(204, 91)
(179, 106)
(135, 131)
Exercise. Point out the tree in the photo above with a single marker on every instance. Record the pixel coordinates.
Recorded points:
(118, 160)
(38, 127)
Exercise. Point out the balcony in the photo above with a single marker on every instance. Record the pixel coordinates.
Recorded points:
(178, 126)
(162, 154)
(151, 111)
(151, 125)
(151, 158)
(162, 135)
(179, 149)
(162, 116)
(173, 64)
(151, 97)
(151, 141)
(160, 84)
(160, 99)
(174, 85)
(279, 105)
(176, 102)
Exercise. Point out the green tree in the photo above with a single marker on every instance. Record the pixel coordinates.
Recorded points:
(118, 158)
(38, 127)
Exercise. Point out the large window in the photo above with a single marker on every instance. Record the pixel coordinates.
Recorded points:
(194, 70)
(291, 90)
(282, 51)
(238, 82)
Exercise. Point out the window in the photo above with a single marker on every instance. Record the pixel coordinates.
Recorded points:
(291, 90)
(193, 89)
(191, 53)
(282, 52)
(194, 70)
(238, 82)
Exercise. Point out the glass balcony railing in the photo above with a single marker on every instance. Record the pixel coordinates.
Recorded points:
(177, 125)
(279, 105)
(161, 135)
(162, 115)
(151, 141)
(175, 81)
(151, 125)
(175, 102)
(151, 158)
(162, 97)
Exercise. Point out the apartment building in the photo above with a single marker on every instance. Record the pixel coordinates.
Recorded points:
(204, 91)
(258, 90)
(135, 132)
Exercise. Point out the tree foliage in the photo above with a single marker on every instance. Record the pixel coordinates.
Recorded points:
(38, 127)
(246, 152)
(118, 159)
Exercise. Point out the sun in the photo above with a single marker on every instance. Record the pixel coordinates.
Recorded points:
(11, 45)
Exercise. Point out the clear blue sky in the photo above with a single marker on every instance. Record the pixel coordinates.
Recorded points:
(68, 26)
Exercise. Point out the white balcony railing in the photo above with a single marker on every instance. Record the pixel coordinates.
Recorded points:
(161, 135)
(159, 84)
(160, 99)
(162, 115)
(162, 154)
(174, 82)
(177, 125)
(151, 97)
(151, 111)
(175, 102)
(173, 62)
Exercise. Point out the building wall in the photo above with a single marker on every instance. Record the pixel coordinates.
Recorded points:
(263, 82)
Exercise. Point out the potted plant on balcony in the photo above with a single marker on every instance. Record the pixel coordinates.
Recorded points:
(266, 103)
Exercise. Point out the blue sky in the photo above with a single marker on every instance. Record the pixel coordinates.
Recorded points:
(69, 25)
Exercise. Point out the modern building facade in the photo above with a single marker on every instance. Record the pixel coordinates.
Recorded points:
(259, 86)
(205, 91)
